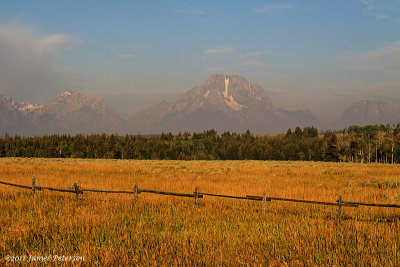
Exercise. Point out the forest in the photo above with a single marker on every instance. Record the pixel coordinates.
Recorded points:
(373, 143)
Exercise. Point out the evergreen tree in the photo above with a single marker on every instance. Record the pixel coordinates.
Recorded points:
(331, 152)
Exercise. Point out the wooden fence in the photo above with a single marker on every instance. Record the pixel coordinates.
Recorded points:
(196, 195)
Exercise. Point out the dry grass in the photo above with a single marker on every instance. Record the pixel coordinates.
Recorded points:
(162, 230)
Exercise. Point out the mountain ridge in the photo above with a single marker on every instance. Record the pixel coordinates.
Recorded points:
(223, 102)
(368, 112)
(67, 113)
(229, 102)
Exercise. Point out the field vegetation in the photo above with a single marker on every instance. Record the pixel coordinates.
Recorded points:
(163, 230)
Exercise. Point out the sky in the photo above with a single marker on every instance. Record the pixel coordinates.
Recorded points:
(317, 55)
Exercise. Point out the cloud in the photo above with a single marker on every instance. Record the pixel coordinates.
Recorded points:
(220, 50)
(385, 59)
(26, 40)
(253, 63)
(259, 53)
(376, 9)
(52, 43)
(238, 61)
(369, 4)
(28, 67)
(380, 16)
(125, 56)
(268, 9)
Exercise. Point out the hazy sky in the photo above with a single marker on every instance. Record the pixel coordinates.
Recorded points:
(319, 55)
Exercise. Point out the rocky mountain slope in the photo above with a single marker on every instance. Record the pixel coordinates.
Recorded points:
(67, 113)
(225, 103)
(12, 120)
(368, 113)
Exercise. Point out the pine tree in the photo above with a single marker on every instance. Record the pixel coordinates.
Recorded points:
(331, 152)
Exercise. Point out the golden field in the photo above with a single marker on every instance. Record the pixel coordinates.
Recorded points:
(107, 229)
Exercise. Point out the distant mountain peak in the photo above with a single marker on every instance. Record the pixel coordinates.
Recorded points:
(68, 92)
(223, 82)
(368, 112)
(29, 107)
(23, 106)
(69, 112)
(225, 103)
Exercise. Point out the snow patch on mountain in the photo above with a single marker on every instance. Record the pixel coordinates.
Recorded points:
(30, 107)
(23, 106)
(226, 87)
(229, 100)
(233, 104)
(67, 93)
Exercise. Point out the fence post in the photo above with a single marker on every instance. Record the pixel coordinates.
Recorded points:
(264, 201)
(196, 196)
(76, 191)
(339, 207)
(135, 194)
(33, 184)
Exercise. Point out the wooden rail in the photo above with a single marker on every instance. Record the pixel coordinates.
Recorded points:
(226, 196)
(348, 204)
(196, 195)
(41, 188)
(106, 191)
(370, 204)
(166, 193)
(16, 185)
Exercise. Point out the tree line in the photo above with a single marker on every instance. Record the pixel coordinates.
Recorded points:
(378, 143)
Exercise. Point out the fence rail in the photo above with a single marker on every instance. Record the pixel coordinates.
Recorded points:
(106, 191)
(347, 204)
(166, 193)
(196, 195)
(226, 196)
(16, 185)
(371, 204)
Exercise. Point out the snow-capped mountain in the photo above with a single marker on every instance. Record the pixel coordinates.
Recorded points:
(67, 113)
(12, 120)
(225, 103)
(72, 112)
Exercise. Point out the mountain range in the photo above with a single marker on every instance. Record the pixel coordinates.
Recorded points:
(67, 113)
(368, 112)
(223, 103)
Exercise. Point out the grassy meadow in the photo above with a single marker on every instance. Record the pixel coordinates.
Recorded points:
(107, 229)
